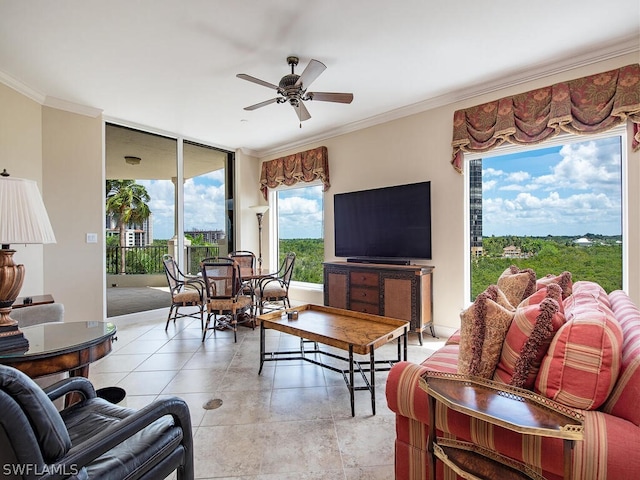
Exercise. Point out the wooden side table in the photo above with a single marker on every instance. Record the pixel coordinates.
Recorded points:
(34, 300)
(509, 407)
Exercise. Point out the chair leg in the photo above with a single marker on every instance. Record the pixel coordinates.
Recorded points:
(169, 317)
(206, 326)
(235, 327)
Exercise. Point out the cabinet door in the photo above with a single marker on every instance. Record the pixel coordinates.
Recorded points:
(398, 298)
(336, 293)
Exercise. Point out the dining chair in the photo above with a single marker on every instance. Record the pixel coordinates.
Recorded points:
(246, 260)
(224, 298)
(275, 288)
(186, 291)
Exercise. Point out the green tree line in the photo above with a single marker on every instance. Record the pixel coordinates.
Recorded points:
(600, 262)
(309, 257)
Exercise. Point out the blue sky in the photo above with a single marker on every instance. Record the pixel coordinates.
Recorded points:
(204, 202)
(301, 213)
(566, 190)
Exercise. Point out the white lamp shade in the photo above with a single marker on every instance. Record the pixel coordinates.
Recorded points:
(23, 216)
(260, 209)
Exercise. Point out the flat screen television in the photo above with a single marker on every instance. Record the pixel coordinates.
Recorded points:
(390, 223)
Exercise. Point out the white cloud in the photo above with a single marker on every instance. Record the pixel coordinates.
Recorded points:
(518, 176)
(580, 194)
(491, 172)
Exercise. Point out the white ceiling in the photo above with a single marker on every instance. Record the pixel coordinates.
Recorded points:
(171, 65)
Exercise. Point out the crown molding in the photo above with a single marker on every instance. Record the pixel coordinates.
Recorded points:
(68, 106)
(20, 87)
(627, 46)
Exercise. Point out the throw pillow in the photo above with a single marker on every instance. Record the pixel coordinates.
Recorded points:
(517, 284)
(534, 324)
(582, 364)
(564, 280)
(483, 328)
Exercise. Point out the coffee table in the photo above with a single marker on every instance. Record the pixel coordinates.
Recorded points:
(62, 347)
(354, 332)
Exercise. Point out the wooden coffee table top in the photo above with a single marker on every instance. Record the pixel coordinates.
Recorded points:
(336, 327)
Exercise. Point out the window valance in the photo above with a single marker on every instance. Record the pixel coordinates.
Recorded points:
(586, 105)
(304, 166)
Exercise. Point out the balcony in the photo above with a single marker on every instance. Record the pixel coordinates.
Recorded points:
(148, 260)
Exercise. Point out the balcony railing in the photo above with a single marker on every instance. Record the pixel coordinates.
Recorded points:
(148, 259)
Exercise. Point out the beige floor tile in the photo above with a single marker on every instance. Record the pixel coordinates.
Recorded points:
(228, 450)
(117, 362)
(164, 361)
(194, 381)
(301, 447)
(147, 383)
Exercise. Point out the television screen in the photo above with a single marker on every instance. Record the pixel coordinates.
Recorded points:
(389, 222)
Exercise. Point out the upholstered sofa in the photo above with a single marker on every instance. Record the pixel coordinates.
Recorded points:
(590, 362)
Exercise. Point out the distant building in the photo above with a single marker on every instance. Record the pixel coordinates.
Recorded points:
(475, 206)
(511, 252)
(209, 236)
(137, 235)
(584, 242)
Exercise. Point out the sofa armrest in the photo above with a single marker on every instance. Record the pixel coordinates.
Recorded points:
(404, 395)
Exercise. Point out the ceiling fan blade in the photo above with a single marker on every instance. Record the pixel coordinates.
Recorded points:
(302, 112)
(249, 78)
(331, 97)
(262, 104)
(310, 73)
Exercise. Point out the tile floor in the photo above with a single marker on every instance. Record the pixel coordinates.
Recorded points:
(291, 422)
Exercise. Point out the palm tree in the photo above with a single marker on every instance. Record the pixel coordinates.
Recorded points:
(126, 203)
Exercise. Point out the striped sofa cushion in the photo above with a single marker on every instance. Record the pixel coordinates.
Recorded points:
(584, 358)
(444, 360)
(623, 401)
(535, 322)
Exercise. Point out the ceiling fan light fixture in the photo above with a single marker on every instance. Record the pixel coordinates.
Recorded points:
(132, 160)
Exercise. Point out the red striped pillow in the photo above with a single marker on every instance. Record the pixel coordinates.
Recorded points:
(564, 280)
(534, 324)
(583, 361)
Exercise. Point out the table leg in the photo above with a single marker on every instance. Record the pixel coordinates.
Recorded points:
(262, 335)
(372, 367)
(406, 334)
(351, 386)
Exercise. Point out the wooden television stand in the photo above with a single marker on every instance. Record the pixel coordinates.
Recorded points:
(404, 292)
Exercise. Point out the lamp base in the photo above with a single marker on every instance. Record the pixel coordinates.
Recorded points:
(12, 339)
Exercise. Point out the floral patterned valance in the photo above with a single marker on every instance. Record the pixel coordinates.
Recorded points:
(586, 105)
(304, 166)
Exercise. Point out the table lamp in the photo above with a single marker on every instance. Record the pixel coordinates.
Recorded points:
(23, 219)
(260, 211)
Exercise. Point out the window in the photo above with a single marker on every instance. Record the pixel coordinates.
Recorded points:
(300, 229)
(554, 208)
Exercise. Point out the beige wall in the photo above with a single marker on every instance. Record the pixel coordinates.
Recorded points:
(418, 148)
(73, 180)
(247, 195)
(21, 155)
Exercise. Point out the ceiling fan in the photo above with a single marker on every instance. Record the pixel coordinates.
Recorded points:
(293, 88)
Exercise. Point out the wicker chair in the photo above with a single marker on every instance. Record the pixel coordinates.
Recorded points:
(276, 288)
(186, 291)
(224, 299)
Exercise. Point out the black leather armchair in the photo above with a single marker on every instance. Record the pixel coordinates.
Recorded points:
(91, 439)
